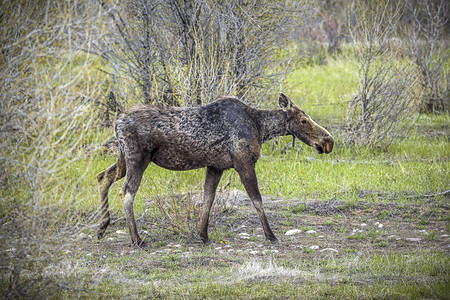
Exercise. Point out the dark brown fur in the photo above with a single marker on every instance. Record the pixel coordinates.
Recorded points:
(221, 135)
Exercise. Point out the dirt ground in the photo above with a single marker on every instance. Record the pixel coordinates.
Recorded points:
(326, 228)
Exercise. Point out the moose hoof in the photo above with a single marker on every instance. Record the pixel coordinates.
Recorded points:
(206, 241)
(140, 244)
(102, 229)
(273, 240)
(101, 233)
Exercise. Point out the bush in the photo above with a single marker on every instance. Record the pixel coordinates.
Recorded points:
(380, 111)
(189, 52)
(426, 47)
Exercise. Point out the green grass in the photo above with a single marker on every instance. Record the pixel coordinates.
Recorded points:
(365, 185)
(172, 276)
(322, 91)
(416, 165)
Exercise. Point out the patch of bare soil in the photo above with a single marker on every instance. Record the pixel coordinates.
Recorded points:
(326, 228)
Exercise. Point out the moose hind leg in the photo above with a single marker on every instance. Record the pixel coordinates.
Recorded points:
(249, 180)
(212, 179)
(105, 179)
(135, 170)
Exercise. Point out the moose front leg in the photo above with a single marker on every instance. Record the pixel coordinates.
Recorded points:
(212, 179)
(135, 170)
(250, 182)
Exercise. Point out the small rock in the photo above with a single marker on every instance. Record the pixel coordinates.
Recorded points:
(444, 235)
(380, 225)
(269, 251)
(244, 235)
(218, 248)
(329, 249)
(363, 224)
(120, 231)
(314, 247)
(413, 239)
(253, 252)
(311, 232)
(292, 232)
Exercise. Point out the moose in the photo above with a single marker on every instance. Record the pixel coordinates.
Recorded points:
(221, 135)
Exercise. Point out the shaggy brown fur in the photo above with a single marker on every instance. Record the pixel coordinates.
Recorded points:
(221, 135)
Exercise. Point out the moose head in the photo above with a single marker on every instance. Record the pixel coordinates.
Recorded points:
(301, 126)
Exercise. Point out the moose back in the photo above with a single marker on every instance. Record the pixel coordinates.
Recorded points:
(221, 135)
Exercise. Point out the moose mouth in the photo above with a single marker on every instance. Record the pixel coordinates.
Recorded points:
(319, 148)
(326, 148)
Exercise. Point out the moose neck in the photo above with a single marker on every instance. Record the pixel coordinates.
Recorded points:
(272, 123)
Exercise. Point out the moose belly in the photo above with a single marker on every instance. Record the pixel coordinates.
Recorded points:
(181, 160)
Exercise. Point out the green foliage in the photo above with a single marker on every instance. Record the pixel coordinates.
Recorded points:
(52, 149)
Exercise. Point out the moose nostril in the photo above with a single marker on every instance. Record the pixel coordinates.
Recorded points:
(328, 143)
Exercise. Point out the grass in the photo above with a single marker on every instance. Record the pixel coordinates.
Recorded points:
(333, 194)
(401, 171)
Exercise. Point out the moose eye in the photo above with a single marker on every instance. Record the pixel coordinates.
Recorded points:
(303, 121)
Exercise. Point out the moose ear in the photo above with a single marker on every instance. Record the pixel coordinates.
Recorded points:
(284, 102)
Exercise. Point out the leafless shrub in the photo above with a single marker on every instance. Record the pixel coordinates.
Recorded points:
(378, 114)
(427, 47)
(189, 52)
(46, 99)
(180, 213)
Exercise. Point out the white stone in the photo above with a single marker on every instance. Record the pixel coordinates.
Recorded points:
(329, 249)
(292, 232)
(413, 239)
(311, 232)
(270, 251)
(244, 235)
(314, 247)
